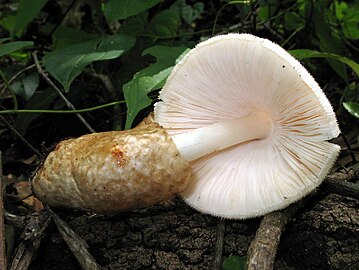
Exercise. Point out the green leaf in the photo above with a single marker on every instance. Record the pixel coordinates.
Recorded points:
(41, 100)
(66, 36)
(8, 22)
(350, 22)
(136, 92)
(302, 54)
(148, 79)
(67, 63)
(13, 46)
(136, 25)
(328, 43)
(26, 86)
(122, 9)
(352, 108)
(191, 13)
(27, 11)
(235, 263)
(165, 23)
(293, 21)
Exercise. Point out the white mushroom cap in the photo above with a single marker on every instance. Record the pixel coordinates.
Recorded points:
(229, 77)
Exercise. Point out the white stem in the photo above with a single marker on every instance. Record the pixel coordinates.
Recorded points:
(206, 140)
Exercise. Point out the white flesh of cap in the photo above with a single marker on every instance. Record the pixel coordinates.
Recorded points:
(230, 77)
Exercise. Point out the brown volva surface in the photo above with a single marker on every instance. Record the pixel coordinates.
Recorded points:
(113, 171)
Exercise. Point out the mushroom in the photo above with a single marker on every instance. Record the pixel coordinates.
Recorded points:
(244, 130)
(252, 122)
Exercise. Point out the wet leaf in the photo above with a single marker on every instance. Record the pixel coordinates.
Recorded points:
(27, 11)
(13, 46)
(122, 9)
(235, 263)
(26, 86)
(328, 42)
(148, 79)
(352, 108)
(165, 23)
(67, 63)
(303, 53)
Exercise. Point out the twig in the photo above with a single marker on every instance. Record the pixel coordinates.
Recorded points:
(263, 248)
(107, 82)
(352, 155)
(2, 225)
(341, 184)
(67, 102)
(31, 236)
(77, 245)
(15, 221)
(9, 126)
(217, 259)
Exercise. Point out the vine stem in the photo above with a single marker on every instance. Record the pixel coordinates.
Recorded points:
(67, 102)
(63, 111)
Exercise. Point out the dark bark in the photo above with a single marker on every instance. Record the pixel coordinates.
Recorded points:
(323, 235)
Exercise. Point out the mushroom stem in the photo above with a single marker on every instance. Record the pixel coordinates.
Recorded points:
(206, 140)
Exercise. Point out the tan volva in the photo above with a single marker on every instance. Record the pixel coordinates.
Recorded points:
(112, 172)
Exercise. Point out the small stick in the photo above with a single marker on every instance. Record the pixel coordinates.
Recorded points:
(9, 126)
(217, 259)
(263, 248)
(2, 225)
(67, 102)
(31, 236)
(15, 221)
(77, 245)
(341, 184)
(347, 189)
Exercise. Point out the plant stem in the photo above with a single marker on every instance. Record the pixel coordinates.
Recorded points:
(9, 126)
(63, 111)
